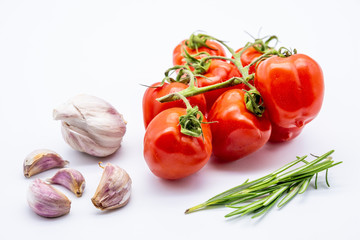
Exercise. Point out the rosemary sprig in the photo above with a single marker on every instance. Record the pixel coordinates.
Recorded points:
(263, 193)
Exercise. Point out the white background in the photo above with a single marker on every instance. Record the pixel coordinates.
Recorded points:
(53, 50)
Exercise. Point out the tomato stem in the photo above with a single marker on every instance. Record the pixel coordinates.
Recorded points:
(253, 99)
(201, 65)
(191, 122)
(196, 41)
(192, 91)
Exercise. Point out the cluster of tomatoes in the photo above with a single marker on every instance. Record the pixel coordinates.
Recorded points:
(238, 104)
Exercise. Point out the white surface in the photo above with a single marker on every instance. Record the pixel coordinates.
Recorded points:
(52, 50)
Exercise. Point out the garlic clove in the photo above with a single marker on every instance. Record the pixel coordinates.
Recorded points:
(71, 179)
(47, 201)
(41, 160)
(91, 125)
(114, 188)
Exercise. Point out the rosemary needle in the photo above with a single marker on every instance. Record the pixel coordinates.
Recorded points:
(281, 185)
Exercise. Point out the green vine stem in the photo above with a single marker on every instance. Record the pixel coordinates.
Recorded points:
(191, 122)
(201, 65)
(262, 45)
(252, 97)
(265, 192)
(198, 40)
(181, 77)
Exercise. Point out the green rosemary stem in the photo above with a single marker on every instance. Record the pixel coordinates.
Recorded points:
(264, 192)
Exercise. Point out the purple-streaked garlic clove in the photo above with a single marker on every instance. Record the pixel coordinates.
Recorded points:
(47, 201)
(114, 188)
(71, 179)
(91, 125)
(41, 160)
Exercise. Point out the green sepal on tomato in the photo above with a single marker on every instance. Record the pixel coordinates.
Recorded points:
(236, 132)
(192, 47)
(151, 107)
(292, 89)
(168, 152)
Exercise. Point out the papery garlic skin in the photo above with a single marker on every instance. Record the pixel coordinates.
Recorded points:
(91, 125)
(114, 189)
(41, 160)
(71, 179)
(47, 201)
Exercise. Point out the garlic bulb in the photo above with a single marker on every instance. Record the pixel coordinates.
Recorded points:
(41, 160)
(114, 188)
(46, 201)
(71, 179)
(91, 125)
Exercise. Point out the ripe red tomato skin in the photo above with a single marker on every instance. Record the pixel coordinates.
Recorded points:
(292, 89)
(279, 134)
(219, 71)
(151, 107)
(171, 154)
(236, 132)
(178, 58)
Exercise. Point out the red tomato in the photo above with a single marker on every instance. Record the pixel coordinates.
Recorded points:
(151, 107)
(219, 71)
(292, 89)
(279, 134)
(178, 59)
(171, 154)
(236, 132)
(248, 56)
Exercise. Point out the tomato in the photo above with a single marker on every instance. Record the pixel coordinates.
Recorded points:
(248, 56)
(215, 50)
(279, 134)
(171, 154)
(236, 132)
(219, 71)
(151, 107)
(292, 89)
